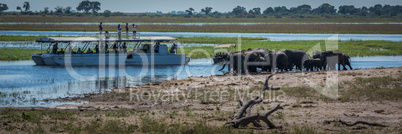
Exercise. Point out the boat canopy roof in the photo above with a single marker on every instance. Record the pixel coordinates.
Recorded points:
(225, 46)
(92, 39)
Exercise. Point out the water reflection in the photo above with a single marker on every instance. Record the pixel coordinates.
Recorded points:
(22, 83)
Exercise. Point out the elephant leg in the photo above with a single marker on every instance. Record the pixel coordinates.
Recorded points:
(243, 68)
(350, 66)
(344, 67)
(250, 69)
(222, 67)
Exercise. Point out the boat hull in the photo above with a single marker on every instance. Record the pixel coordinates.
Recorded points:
(120, 59)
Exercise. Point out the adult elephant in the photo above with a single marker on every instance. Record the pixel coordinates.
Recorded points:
(261, 51)
(280, 60)
(296, 57)
(331, 58)
(343, 59)
(252, 58)
(326, 57)
(242, 61)
(268, 62)
(237, 62)
(261, 62)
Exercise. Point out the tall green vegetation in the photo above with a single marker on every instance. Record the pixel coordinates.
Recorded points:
(27, 6)
(325, 10)
(3, 7)
(190, 11)
(206, 10)
(86, 6)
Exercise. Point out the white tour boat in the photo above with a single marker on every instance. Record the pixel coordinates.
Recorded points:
(142, 52)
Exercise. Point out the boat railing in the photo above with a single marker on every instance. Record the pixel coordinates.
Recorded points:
(113, 35)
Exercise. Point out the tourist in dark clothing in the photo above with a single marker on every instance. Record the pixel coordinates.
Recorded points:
(89, 51)
(134, 31)
(124, 47)
(107, 35)
(115, 47)
(100, 29)
(126, 30)
(96, 49)
(119, 31)
(106, 47)
(157, 47)
(61, 51)
(55, 47)
(173, 48)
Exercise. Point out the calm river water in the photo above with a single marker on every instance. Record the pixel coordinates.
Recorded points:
(22, 83)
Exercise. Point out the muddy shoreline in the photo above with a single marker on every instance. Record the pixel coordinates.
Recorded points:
(215, 98)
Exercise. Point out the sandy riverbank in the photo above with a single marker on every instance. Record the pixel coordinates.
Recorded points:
(371, 95)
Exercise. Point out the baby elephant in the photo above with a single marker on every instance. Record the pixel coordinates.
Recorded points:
(312, 64)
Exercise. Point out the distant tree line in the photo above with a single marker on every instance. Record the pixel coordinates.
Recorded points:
(324, 9)
(87, 7)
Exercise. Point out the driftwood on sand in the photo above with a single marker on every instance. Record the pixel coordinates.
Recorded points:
(357, 122)
(244, 117)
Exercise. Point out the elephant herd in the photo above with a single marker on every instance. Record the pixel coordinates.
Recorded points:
(284, 60)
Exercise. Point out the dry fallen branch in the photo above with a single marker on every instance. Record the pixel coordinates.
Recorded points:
(253, 119)
(244, 117)
(357, 122)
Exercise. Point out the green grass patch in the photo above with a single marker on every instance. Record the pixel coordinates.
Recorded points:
(359, 89)
(372, 89)
(18, 38)
(17, 54)
(150, 125)
(122, 112)
(352, 48)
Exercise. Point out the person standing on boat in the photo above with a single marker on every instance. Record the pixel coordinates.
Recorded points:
(105, 49)
(173, 48)
(119, 31)
(134, 31)
(100, 29)
(126, 30)
(97, 49)
(124, 47)
(107, 36)
(157, 47)
(115, 48)
(54, 51)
